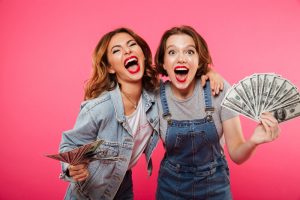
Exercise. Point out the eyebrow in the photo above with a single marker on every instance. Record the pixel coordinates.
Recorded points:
(118, 45)
(170, 46)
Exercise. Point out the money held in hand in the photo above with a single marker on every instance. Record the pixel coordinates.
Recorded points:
(264, 92)
(78, 155)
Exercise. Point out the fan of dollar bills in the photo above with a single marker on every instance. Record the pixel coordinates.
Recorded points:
(264, 92)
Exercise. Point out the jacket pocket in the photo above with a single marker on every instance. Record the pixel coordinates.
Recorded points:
(101, 168)
(108, 152)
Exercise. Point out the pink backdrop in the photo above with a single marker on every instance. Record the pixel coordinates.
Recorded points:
(45, 57)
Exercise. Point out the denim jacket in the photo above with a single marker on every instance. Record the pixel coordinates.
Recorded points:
(103, 118)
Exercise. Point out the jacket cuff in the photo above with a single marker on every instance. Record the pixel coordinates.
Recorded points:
(64, 175)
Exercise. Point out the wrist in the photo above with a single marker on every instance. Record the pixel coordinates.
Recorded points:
(252, 144)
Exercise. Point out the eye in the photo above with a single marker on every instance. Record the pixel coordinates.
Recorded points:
(171, 52)
(190, 52)
(115, 51)
(132, 44)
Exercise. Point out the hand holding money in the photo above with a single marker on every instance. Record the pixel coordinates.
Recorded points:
(79, 172)
(82, 154)
(267, 131)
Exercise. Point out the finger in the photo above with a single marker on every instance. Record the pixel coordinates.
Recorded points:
(76, 167)
(269, 116)
(272, 130)
(272, 123)
(267, 128)
(82, 176)
(77, 170)
(222, 86)
(212, 86)
(203, 80)
(274, 127)
(217, 86)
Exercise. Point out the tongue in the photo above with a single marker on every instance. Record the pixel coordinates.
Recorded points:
(181, 77)
(133, 68)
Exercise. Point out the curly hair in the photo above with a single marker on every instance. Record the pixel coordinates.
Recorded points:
(101, 80)
(201, 47)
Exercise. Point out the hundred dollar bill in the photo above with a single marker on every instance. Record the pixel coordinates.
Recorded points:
(233, 97)
(227, 104)
(295, 98)
(253, 81)
(290, 96)
(260, 87)
(287, 112)
(241, 92)
(247, 87)
(275, 87)
(266, 90)
(283, 90)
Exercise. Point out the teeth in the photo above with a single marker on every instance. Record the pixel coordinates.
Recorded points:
(181, 70)
(130, 60)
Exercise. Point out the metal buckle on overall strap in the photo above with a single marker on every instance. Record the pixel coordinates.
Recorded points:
(167, 116)
(209, 111)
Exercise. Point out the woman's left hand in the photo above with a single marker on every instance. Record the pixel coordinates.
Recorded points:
(267, 131)
(216, 81)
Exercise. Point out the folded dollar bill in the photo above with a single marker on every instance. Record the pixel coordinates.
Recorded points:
(264, 92)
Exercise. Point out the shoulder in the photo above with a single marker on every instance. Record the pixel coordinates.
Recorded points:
(99, 103)
(227, 85)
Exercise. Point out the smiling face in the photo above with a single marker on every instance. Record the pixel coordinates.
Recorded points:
(181, 63)
(125, 58)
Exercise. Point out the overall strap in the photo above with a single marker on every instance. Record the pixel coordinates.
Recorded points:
(209, 109)
(164, 103)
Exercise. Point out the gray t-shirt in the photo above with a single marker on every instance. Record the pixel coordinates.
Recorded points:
(193, 108)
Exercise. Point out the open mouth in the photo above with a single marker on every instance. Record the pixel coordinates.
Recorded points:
(132, 65)
(181, 73)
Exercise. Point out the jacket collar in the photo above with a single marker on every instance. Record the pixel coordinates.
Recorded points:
(116, 98)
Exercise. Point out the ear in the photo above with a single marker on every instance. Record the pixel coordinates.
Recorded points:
(111, 70)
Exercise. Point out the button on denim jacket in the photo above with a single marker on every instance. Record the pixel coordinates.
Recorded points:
(103, 118)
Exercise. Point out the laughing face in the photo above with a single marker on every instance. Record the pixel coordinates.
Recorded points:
(126, 58)
(181, 61)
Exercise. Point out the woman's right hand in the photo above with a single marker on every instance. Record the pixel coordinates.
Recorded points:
(79, 172)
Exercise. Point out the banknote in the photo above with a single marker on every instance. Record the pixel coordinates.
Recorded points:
(227, 104)
(264, 92)
(286, 112)
(78, 155)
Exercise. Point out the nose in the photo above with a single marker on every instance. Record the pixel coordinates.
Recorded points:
(127, 50)
(181, 58)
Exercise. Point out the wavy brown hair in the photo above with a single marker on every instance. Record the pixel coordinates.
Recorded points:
(201, 48)
(101, 80)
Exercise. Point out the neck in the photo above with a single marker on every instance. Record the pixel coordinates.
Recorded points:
(131, 94)
(133, 90)
(185, 92)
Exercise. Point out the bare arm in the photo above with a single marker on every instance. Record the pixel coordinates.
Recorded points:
(240, 149)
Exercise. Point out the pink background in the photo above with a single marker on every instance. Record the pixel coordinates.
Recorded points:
(45, 57)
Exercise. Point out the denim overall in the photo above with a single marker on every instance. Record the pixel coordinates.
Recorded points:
(193, 166)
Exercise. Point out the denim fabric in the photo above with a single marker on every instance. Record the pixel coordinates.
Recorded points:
(103, 118)
(193, 166)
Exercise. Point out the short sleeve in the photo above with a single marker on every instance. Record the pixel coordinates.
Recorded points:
(225, 112)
